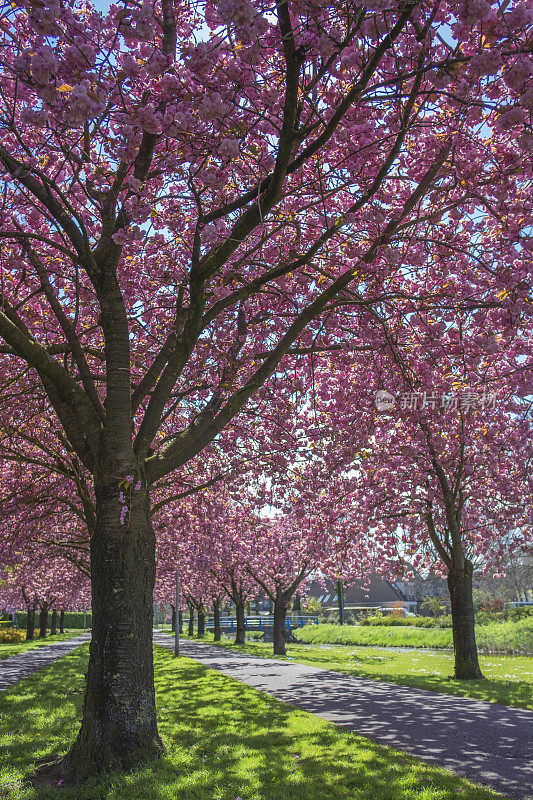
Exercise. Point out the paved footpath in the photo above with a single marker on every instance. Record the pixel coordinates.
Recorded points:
(485, 742)
(14, 668)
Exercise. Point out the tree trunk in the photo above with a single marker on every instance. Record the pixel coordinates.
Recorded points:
(191, 621)
(180, 620)
(173, 622)
(463, 623)
(61, 621)
(43, 621)
(216, 620)
(201, 623)
(30, 624)
(280, 612)
(241, 626)
(53, 623)
(119, 727)
(340, 600)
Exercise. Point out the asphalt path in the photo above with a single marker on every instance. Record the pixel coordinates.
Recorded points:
(14, 668)
(488, 743)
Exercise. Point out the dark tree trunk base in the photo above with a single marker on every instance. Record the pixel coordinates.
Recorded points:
(216, 621)
(201, 624)
(241, 625)
(280, 613)
(43, 622)
(119, 726)
(30, 625)
(463, 623)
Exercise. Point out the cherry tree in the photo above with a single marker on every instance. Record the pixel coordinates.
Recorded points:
(191, 193)
(444, 480)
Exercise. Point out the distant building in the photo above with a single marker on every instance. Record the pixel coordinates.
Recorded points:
(378, 593)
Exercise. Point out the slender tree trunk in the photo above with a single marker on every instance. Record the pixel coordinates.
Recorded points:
(119, 727)
(61, 621)
(30, 623)
(173, 623)
(191, 621)
(340, 600)
(280, 612)
(43, 621)
(241, 626)
(53, 623)
(463, 623)
(180, 620)
(201, 623)
(216, 620)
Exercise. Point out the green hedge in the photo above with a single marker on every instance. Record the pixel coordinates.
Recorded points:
(73, 619)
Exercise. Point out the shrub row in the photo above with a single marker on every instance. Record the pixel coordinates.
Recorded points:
(73, 619)
(11, 635)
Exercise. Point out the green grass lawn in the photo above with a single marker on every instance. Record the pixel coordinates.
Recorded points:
(224, 741)
(7, 650)
(508, 679)
(511, 638)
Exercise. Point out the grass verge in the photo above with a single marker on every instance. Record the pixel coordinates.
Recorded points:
(224, 741)
(504, 637)
(508, 679)
(7, 650)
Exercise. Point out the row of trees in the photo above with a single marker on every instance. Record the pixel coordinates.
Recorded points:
(224, 226)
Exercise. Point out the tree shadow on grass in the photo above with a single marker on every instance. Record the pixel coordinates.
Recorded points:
(491, 690)
(224, 741)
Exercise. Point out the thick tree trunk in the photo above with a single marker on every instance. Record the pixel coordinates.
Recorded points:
(191, 621)
(280, 612)
(61, 621)
(463, 623)
(216, 620)
(201, 623)
(53, 623)
(173, 622)
(119, 727)
(241, 625)
(30, 624)
(180, 620)
(43, 621)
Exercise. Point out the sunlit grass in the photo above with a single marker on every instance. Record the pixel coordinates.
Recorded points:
(224, 741)
(510, 638)
(508, 679)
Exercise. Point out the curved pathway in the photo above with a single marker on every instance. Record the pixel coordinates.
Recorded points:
(485, 742)
(13, 668)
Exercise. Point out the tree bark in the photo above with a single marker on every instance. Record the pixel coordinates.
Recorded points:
(201, 623)
(180, 620)
(43, 621)
(61, 621)
(463, 622)
(53, 623)
(280, 612)
(173, 622)
(241, 625)
(30, 624)
(191, 621)
(216, 620)
(119, 727)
